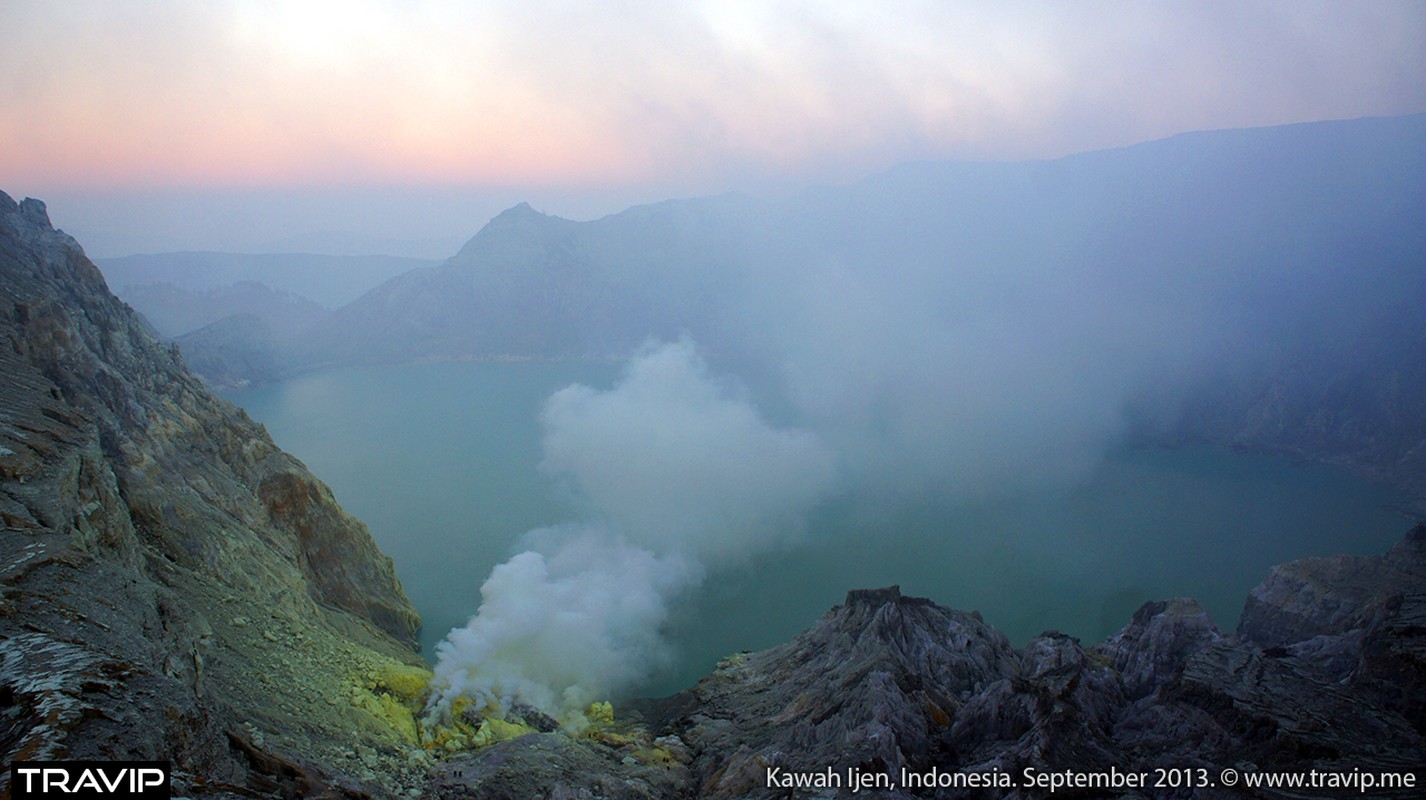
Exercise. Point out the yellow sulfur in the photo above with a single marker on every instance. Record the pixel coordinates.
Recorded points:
(601, 713)
(396, 713)
(498, 730)
(405, 682)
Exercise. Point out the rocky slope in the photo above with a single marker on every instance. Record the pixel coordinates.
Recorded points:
(234, 352)
(174, 585)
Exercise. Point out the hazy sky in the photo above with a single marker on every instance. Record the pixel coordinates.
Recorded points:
(177, 123)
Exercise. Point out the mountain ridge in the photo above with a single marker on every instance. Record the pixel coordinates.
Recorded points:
(961, 186)
(1265, 272)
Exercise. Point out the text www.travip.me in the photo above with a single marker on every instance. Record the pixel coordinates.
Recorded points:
(1357, 780)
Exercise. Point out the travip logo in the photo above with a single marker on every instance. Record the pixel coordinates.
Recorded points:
(81, 780)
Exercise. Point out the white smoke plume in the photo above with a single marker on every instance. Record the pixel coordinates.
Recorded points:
(681, 461)
(678, 473)
(558, 631)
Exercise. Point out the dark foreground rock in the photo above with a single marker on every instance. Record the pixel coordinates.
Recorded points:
(1324, 674)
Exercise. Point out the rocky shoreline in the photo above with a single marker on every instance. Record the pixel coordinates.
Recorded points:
(1323, 675)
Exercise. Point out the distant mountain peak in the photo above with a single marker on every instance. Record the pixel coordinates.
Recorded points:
(521, 217)
(518, 224)
(519, 213)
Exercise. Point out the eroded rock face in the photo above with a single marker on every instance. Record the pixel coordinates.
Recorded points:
(1157, 642)
(1331, 596)
(886, 682)
(174, 585)
(874, 685)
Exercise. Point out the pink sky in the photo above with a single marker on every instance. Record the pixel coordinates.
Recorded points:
(682, 98)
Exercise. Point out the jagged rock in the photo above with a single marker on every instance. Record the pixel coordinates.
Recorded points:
(1157, 642)
(34, 210)
(886, 682)
(1056, 711)
(1319, 597)
(874, 685)
(1393, 659)
(526, 714)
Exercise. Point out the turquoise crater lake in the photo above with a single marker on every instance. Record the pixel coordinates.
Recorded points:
(441, 461)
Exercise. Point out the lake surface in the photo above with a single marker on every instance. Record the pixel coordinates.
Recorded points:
(441, 461)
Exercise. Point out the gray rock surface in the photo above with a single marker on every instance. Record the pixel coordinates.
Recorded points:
(172, 585)
(885, 683)
(1157, 643)
(556, 767)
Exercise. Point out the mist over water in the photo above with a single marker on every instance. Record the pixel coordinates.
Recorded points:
(443, 462)
(935, 371)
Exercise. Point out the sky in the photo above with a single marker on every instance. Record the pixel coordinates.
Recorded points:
(158, 125)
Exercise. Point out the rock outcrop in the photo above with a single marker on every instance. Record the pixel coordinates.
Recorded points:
(878, 682)
(174, 585)
(1325, 673)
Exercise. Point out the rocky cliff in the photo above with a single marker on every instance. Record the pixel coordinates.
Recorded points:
(1352, 398)
(1320, 675)
(174, 585)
